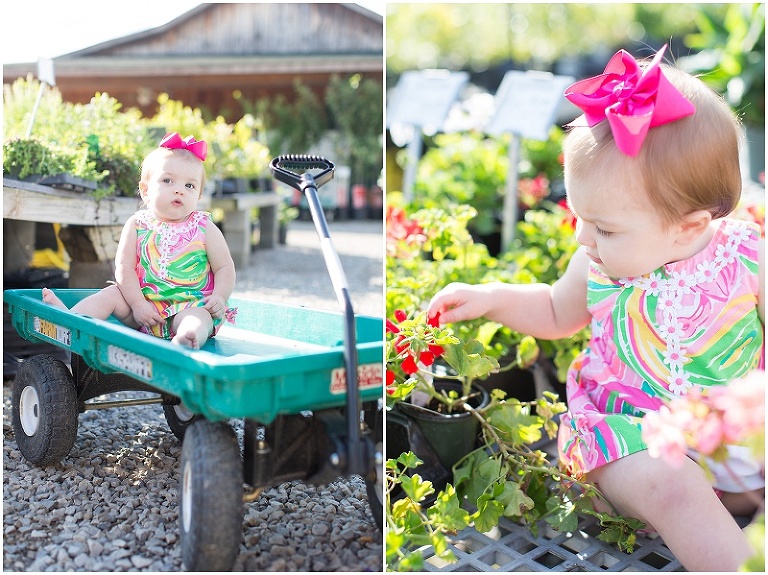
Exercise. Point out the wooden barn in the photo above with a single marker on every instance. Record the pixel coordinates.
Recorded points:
(205, 55)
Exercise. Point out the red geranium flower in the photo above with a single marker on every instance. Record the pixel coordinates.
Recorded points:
(409, 365)
(414, 345)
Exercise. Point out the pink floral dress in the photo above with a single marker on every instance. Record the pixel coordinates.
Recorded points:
(172, 266)
(690, 324)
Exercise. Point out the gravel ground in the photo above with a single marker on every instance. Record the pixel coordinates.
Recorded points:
(111, 504)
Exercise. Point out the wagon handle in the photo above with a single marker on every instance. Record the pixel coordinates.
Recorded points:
(296, 171)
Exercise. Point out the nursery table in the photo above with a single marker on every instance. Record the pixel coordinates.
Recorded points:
(90, 233)
(238, 215)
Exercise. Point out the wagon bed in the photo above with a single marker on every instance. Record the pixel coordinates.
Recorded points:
(279, 359)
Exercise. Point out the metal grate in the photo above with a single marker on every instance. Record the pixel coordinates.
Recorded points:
(513, 548)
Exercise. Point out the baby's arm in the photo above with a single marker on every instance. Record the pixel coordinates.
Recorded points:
(144, 312)
(223, 270)
(540, 310)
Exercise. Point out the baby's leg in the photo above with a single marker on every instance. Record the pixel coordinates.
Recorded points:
(192, 326)
(681, 505)
(102, 304)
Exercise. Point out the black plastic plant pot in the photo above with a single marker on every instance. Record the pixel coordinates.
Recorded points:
(451, 436)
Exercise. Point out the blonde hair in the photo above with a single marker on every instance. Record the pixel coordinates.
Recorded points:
(688, 165)
(157, 154)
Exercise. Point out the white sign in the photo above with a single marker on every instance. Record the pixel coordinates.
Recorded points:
(423, 98)
(45, 71)
(526, 104)
(128, 361)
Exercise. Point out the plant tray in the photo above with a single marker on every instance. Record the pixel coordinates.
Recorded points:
(64, 182)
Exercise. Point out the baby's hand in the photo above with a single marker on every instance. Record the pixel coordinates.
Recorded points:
(458, 302)
(146, 314)
(215, 305)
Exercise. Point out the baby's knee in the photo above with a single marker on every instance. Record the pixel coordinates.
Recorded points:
(639, 485)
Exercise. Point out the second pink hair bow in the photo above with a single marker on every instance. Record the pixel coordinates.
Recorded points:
(173, 141)
(633, 100)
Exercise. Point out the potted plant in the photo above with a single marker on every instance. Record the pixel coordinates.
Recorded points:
(501, 472)
(431, 247)
(432, 375)
(504, 473)
(241, 160)
(98, 141)
(35, 160)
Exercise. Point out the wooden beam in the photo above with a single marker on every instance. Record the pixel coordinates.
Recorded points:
(35, 203)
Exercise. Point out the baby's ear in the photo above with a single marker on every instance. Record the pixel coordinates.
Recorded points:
(693, 225)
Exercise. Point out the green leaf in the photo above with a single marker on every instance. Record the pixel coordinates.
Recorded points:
(440, 543)
(515, 426)
(562, 515)
(411, 562)
(470, 481)
(514, 500)
(469, 360)
(488, 513)
(527, 352)
(416, 488)
(402, 507)
(463, 473)
(486, 332)
(409, 460)
(446, 513)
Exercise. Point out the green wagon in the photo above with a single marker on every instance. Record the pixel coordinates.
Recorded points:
(284, 370)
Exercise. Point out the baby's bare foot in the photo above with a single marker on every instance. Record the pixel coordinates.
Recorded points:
(187, 339)
(51, 298)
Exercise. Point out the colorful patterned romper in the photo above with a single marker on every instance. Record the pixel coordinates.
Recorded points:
(690, 324)
(173, 269)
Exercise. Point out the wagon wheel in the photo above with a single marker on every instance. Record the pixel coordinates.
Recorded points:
(210, 497)
(374, 486)
(179, 418)
(44, 410)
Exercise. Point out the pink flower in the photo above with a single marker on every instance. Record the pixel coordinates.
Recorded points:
(742, 404)
(665, 439)
(707, 434)
(706, 422)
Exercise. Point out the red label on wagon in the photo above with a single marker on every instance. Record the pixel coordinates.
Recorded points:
(368, 375)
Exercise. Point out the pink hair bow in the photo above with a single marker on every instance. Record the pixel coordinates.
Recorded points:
(173, 141)
(632, 99)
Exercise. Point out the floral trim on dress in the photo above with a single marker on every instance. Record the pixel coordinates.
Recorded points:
(670, 292)
(168, 235)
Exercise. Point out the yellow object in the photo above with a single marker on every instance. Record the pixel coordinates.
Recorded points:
(48, 258)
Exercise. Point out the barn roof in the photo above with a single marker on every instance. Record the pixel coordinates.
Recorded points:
(200, 57)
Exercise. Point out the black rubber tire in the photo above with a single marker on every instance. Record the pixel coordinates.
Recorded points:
(179, 419)
(44, 410)
(210, 497)
(374, 487)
